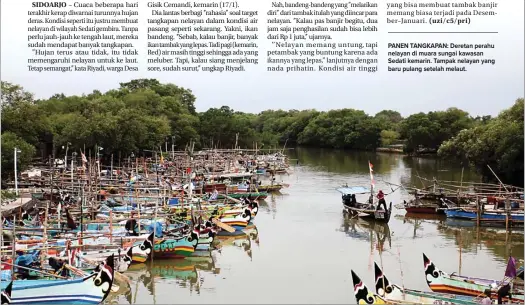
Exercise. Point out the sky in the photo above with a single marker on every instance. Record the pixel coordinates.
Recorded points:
(481, 90)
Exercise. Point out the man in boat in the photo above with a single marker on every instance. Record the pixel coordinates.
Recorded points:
(215, 194)
(486, 299)
(353, 200)
(382, 202)
(132, 226)
(504, 292)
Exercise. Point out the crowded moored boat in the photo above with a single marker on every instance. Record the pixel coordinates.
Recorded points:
(75, 240)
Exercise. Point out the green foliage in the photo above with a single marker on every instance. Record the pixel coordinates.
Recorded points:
(10, 141)
(345, 128)
(13, 94)
(143, 114)
(497, 143)
(388, 137)
(140, 115)
(389, 119)
(6, 195)
(430, 130)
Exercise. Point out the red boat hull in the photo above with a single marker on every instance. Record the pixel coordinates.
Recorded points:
(422, 210)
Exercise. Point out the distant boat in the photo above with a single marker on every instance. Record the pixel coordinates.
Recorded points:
(462, 213)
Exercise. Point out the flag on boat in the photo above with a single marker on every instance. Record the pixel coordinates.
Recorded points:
(511, 268)
(370, 167)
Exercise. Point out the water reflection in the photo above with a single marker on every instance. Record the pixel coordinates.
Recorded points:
(424, 169)
(185, 273)
(377, 233)
(243, 242)
(498, 241)
(340, 161)
(466, 237)
(190, 273)
(269, 205)
(415, 172)
(124, 292)
(418, 222)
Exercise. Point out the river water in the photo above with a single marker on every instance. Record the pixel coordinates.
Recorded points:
(303, 249)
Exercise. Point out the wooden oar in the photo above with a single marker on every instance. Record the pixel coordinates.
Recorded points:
(233, 199)
(223, 225)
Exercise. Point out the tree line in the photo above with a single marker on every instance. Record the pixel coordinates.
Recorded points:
(144, 114)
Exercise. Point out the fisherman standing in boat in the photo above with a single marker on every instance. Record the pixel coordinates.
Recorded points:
(381, 197)
(132, 226)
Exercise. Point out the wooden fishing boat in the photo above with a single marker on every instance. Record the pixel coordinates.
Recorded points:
(462, 213)
(270, 187)
(122, 259)
(418, 206)
(165, 247)
(454, 222)
(250, 209)
(393, 292)
(239, 222)
(220, 210)
(363, 210)
(91, 289)
(258, 195)
(439, 281)
(363, 295)
(6, 294)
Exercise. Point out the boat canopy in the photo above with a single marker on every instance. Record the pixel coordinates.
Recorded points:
(352, 190)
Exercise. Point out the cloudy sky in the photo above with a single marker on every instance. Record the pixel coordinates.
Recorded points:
(481, 90)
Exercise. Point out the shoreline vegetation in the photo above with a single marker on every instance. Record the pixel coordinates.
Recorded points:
(143, 114)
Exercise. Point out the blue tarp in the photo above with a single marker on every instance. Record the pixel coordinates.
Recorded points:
(350, 190)
(158, 228)
(26, 260)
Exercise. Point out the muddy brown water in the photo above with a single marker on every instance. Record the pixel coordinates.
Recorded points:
(303, 248)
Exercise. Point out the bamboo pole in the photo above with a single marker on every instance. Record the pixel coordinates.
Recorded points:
(478, 212)
(13, 250)
(45, 229)
(460, 251)
(401, 270)
(111, 226)
(35, 270)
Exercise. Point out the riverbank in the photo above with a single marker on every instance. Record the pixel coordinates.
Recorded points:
(390, 150)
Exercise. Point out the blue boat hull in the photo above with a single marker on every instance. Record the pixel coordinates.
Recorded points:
(78, 291)
(468, 215)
